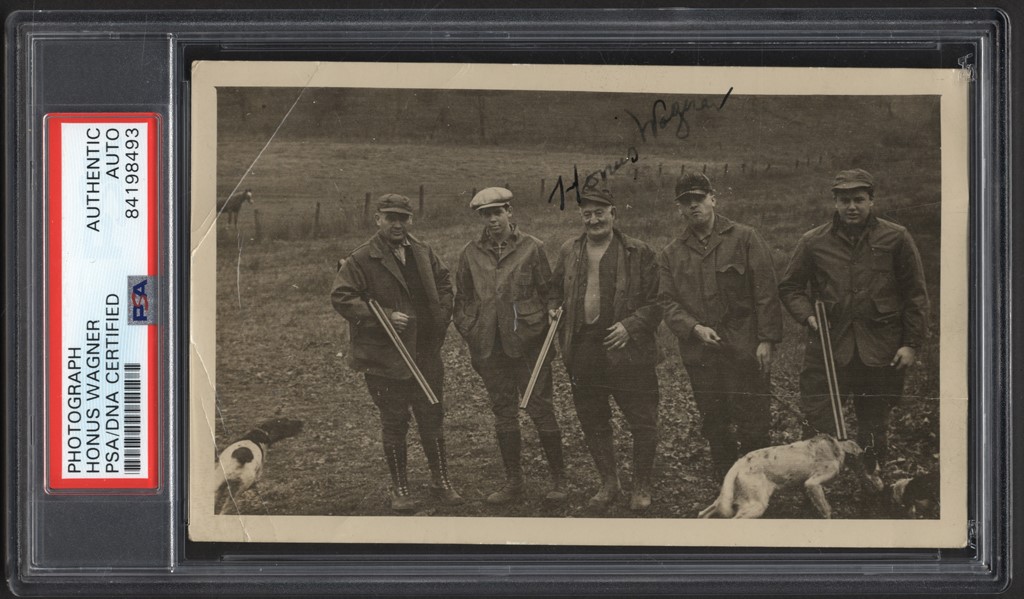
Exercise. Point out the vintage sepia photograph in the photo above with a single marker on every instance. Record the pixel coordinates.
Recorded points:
(578, 305)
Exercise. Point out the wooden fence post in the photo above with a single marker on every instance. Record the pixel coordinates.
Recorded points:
(705, 171)
(542, 189)
(366, 206)
(682, 169)
(421, 200)
(258, 223)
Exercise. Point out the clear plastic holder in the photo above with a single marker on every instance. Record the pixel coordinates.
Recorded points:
(140, 62)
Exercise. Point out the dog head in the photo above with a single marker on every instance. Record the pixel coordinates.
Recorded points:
(863, 462)
(280, 428)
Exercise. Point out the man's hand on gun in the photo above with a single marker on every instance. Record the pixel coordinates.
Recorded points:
(813, 323)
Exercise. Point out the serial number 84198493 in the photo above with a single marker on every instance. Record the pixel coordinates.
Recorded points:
(131, 167)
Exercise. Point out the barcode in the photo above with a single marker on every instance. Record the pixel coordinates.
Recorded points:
(132, 417)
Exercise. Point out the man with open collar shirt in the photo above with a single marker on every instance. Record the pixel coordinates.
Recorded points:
(500, 309)
(607, 283)
(868, 273)
(718, 293)
(413, 286)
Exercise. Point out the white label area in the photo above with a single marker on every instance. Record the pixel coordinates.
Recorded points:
(105, 233)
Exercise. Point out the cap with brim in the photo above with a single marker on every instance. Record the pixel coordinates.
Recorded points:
(491, 197)
(599, 196)
(392, 202)
(853, 179)
(693, 184)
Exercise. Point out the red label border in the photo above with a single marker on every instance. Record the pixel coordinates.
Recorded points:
(54, 352)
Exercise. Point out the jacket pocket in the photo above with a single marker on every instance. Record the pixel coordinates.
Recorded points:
(887, 308)
(524, 288)
(466, 319)
(882, 258)
(732, 282)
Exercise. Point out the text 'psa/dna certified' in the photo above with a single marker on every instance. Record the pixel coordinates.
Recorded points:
(102, 183)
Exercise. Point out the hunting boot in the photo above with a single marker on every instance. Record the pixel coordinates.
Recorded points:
(441, 485)
(401, 498)
(511, 447)
(602, 449)
(552, 444)
(644, 446)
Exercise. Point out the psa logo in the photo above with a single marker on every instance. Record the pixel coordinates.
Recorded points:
(142, 300)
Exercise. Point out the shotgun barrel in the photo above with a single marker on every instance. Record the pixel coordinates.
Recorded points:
(835, 398)
(389, 328)
(544, 349)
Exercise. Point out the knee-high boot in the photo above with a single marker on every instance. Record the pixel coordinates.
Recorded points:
(396, 456)
(551, 442)
(441, 485)
(510, 444)
(602, 449)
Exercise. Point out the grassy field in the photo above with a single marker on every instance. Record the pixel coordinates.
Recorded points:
(281, 347)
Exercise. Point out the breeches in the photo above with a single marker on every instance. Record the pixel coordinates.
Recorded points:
(506, 379)
(594, 380)
(395, 398)
(874, 389)
(731, 392)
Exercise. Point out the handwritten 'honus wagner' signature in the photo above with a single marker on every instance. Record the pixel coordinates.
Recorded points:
(664, 115)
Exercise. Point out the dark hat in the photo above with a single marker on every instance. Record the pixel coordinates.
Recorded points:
(693, 184)
(853, 179)
(490, 197)
(392, 202)
(599, 196)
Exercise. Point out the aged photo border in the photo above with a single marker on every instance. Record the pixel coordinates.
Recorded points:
(949, 531)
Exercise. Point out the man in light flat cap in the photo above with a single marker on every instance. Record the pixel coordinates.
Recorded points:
(413, 286)
(718, 293)
(607, 283)
(868, 273)
(500, 309)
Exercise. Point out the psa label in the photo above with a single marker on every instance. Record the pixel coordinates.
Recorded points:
(142, 300)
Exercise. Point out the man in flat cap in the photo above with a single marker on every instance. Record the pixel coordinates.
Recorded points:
(500, 309)
(868, 273)
(413, 286)
(718, 293)
(607, 283)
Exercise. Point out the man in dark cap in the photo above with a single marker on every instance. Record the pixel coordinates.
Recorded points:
(500, 310)
(868, 273)
(607, 283)
(718, 294)
(413, 286)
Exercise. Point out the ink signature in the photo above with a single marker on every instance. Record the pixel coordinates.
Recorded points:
(592, 179)
(663, 116)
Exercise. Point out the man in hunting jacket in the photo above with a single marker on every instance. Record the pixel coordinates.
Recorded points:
(500, 309)
(413, 286)
(607, 283)
(868, 273)
(718, 292)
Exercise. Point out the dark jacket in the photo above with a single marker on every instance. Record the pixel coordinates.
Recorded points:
(372, 271)
(873, 288)
(503, 297)
(730, 286)
(636, 295)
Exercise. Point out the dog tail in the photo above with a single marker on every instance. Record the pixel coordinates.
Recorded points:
(723, 505)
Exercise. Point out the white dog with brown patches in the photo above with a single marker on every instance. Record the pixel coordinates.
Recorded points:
(753, 479)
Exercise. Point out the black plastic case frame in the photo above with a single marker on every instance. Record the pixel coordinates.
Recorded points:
(97, 61)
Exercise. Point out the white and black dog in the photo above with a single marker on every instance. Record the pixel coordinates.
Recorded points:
(753, 479)
(240, 465)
